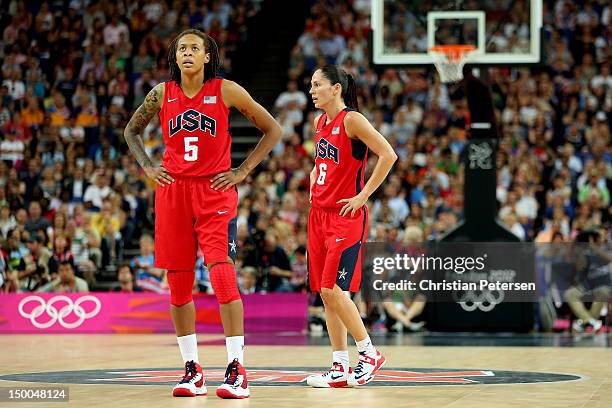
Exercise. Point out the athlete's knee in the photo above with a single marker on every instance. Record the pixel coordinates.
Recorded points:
(223, 280)
(181, 287)
(329, 297)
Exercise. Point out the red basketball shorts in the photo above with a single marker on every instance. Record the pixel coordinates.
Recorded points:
(334, 248)
(188, 212)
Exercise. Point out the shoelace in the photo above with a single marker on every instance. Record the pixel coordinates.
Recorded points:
(332, 369)
(231, 374)
(359, 368)
(190, 371)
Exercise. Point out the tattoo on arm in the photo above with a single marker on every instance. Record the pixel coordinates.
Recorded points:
(137, 124)
(249, 117)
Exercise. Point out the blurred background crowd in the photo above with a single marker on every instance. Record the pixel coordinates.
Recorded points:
(76, 210)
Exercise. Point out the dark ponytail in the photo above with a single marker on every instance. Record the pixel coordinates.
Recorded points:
(337, 75)
(211, 68)
(350, 96)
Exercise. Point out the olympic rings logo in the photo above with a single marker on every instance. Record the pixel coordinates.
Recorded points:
(485, 301)
(59, 315)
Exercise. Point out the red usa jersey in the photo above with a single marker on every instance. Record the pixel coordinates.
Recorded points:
(340, 163)
(196, 131)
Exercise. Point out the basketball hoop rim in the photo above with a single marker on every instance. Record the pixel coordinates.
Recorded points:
(454, 51)
(450, 59)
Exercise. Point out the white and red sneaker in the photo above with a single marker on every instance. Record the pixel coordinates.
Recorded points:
(366, 369)
(193, 382)
(235, 384)
(336, 377)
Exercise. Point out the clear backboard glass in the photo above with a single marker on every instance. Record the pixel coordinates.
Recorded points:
(503, 31)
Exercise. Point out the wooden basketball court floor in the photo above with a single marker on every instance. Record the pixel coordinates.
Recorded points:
(52, 353)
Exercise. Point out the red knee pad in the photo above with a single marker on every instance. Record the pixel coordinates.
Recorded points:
(223, 280)
(181, 287)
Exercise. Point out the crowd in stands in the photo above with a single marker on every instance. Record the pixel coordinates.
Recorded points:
(72, 77)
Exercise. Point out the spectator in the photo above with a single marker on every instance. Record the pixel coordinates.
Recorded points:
(292, 100)
(126, 280)
(113, 30)
(32, 114)
(511, 222)
(12, 149)
(39, 256)
(148, 277)
(248, 280)
(299, 269)
(77, 186)
(61, 253)
(107, 224)
(15, 85)
(9, 283)
(66, 282)
(15, 251)
(7, 221)
(20, 129)
(35, 220)
(19, 265)
(590, 261)
(594, 189)
(274, 264)
(97, 192)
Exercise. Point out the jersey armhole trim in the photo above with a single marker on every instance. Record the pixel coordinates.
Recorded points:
(323, 116)
(163, 101)
(220, 93)
(346, 111)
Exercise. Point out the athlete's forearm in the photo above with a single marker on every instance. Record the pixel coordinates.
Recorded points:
(137, 124)
(137, 148)
(263, 148)
(381, 170)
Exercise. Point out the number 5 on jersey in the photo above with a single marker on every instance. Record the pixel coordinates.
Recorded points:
(322, 174)
(191, 149)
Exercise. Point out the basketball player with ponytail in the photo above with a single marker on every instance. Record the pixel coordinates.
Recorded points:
(338, 219)
(195, 200)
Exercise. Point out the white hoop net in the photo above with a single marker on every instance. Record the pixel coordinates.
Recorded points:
(449, 61)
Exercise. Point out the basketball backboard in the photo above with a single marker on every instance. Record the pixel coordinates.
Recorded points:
(504, 32)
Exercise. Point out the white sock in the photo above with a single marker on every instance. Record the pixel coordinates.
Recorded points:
(235, 348)
(341, 357)
(189, 348)
(366, 345)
